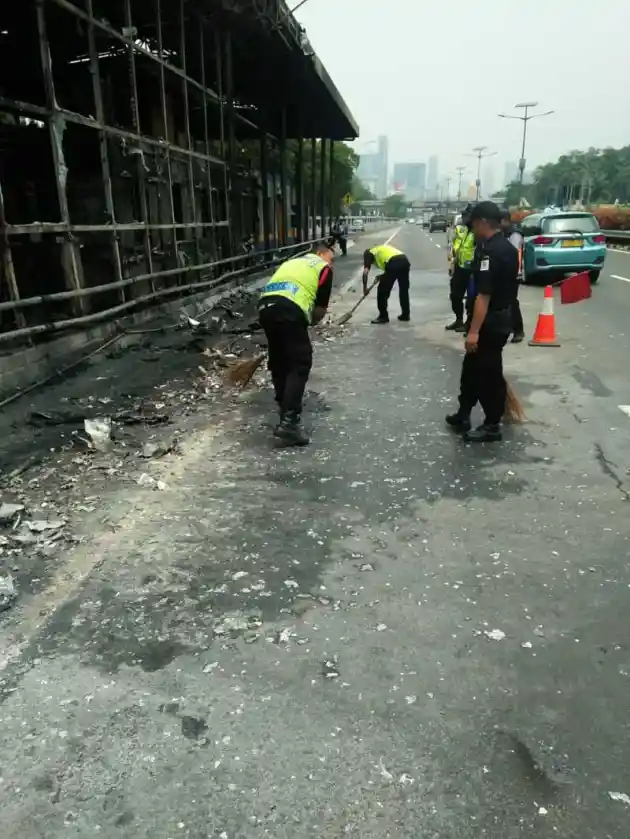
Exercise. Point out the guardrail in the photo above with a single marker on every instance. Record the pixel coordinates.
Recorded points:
(617, 237)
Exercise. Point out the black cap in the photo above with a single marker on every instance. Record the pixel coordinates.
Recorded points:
(487, 210)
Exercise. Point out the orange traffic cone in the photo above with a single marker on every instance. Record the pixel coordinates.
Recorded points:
(545, 332)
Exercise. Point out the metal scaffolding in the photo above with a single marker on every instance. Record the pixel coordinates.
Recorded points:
(141, 141)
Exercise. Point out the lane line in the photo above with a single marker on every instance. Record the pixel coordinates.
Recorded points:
(618, 250)
(625, 409)
(623, 279)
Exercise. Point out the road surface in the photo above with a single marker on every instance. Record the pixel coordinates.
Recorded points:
(387, 634)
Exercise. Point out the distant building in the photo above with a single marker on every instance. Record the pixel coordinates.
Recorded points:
(373, 168)
(433, 177)
(510, 173)
(410, 179)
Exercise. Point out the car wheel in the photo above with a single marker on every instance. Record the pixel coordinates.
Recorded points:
(594, 275)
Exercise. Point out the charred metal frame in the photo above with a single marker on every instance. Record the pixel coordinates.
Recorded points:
(184, 217)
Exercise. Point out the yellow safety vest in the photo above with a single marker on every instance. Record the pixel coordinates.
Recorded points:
(464, 246)
(297, 280)
(382, 254)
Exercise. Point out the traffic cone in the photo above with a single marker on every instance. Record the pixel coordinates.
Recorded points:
(545, 332)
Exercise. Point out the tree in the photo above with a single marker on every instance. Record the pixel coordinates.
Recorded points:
(594, 176)
(395, 206)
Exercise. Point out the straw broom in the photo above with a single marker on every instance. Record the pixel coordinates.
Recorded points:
(513, 408)
(240, 373)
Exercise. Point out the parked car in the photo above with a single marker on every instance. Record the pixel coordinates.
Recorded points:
(562, 242)
(358, 225)
(419, 222)
(438, 223)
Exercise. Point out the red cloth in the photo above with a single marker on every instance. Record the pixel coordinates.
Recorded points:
(576, 288)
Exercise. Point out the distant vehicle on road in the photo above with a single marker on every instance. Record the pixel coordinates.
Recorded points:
(419, 222)
(438, 223)
(409, 221)
(559, 242)
(358, 225)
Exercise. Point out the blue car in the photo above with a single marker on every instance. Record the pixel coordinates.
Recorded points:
(562, 243)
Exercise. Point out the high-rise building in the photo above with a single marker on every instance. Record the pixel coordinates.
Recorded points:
(410, 178)
(373, 168)
(433, 177)
(510, 173)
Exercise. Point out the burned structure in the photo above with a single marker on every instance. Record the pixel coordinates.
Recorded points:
(140, 141)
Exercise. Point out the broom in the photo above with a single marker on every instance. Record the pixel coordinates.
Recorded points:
(240, 373)
(513, 408)
(345, 318)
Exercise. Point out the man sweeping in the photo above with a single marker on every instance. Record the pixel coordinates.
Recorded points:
(295, 298)
(395, 267)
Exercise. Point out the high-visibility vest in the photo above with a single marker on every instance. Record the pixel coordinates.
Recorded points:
(464, 246)
(382, 254)
(297, 280)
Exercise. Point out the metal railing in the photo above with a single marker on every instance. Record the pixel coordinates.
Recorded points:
(617, 237)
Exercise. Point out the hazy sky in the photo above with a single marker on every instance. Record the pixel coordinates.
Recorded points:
(433, 74)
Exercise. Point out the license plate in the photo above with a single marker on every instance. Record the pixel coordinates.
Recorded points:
(572, 243)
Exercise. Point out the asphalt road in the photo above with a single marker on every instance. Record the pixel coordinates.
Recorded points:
(387, 634)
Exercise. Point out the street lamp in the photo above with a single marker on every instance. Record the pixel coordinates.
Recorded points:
(479, 153)
(460, 174)
(524, 119)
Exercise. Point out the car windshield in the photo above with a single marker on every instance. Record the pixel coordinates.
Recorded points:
(570, 224)
(438, 218)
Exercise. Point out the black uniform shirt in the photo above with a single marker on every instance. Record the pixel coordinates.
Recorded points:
(496, 271)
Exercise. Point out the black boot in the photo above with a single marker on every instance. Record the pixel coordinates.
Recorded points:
(456, 326)
(518, 337)
(486, 433)
(459, 421)
(381, 319)
(405, 317)
(290, 431)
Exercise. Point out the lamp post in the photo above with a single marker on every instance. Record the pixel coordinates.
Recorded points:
(479, 153)
(460, 175)
(524, 119)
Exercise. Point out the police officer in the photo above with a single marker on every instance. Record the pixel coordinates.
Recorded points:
(496, 284)
(462, 252)
(395, 267)
(295, 297)
(513, 234)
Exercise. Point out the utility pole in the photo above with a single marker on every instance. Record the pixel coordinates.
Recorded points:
(524, 119)
(479, 153)
(460, 175)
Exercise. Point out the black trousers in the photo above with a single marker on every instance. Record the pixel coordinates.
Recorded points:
(290, 353)
(517, 318)
(396, 270)
(482, 378)
(459, 284)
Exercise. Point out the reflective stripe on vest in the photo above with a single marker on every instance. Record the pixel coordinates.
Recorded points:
(382, 254)
(466, 248)
(297, 280)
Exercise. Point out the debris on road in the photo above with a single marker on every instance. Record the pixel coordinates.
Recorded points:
(8, 592)
(495, 634)
(99, 431)
(148, 481)
(620, 796)
(8, 512)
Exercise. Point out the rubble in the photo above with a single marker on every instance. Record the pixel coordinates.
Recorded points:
(8, 592)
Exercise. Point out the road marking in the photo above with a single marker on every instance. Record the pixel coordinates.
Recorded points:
(393, 236)
(618, 250)
(625, 409)
(437, 246)
(617, 277)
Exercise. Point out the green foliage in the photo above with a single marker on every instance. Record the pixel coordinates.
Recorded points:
(395, 206)
(345, 163)
(604, 173)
